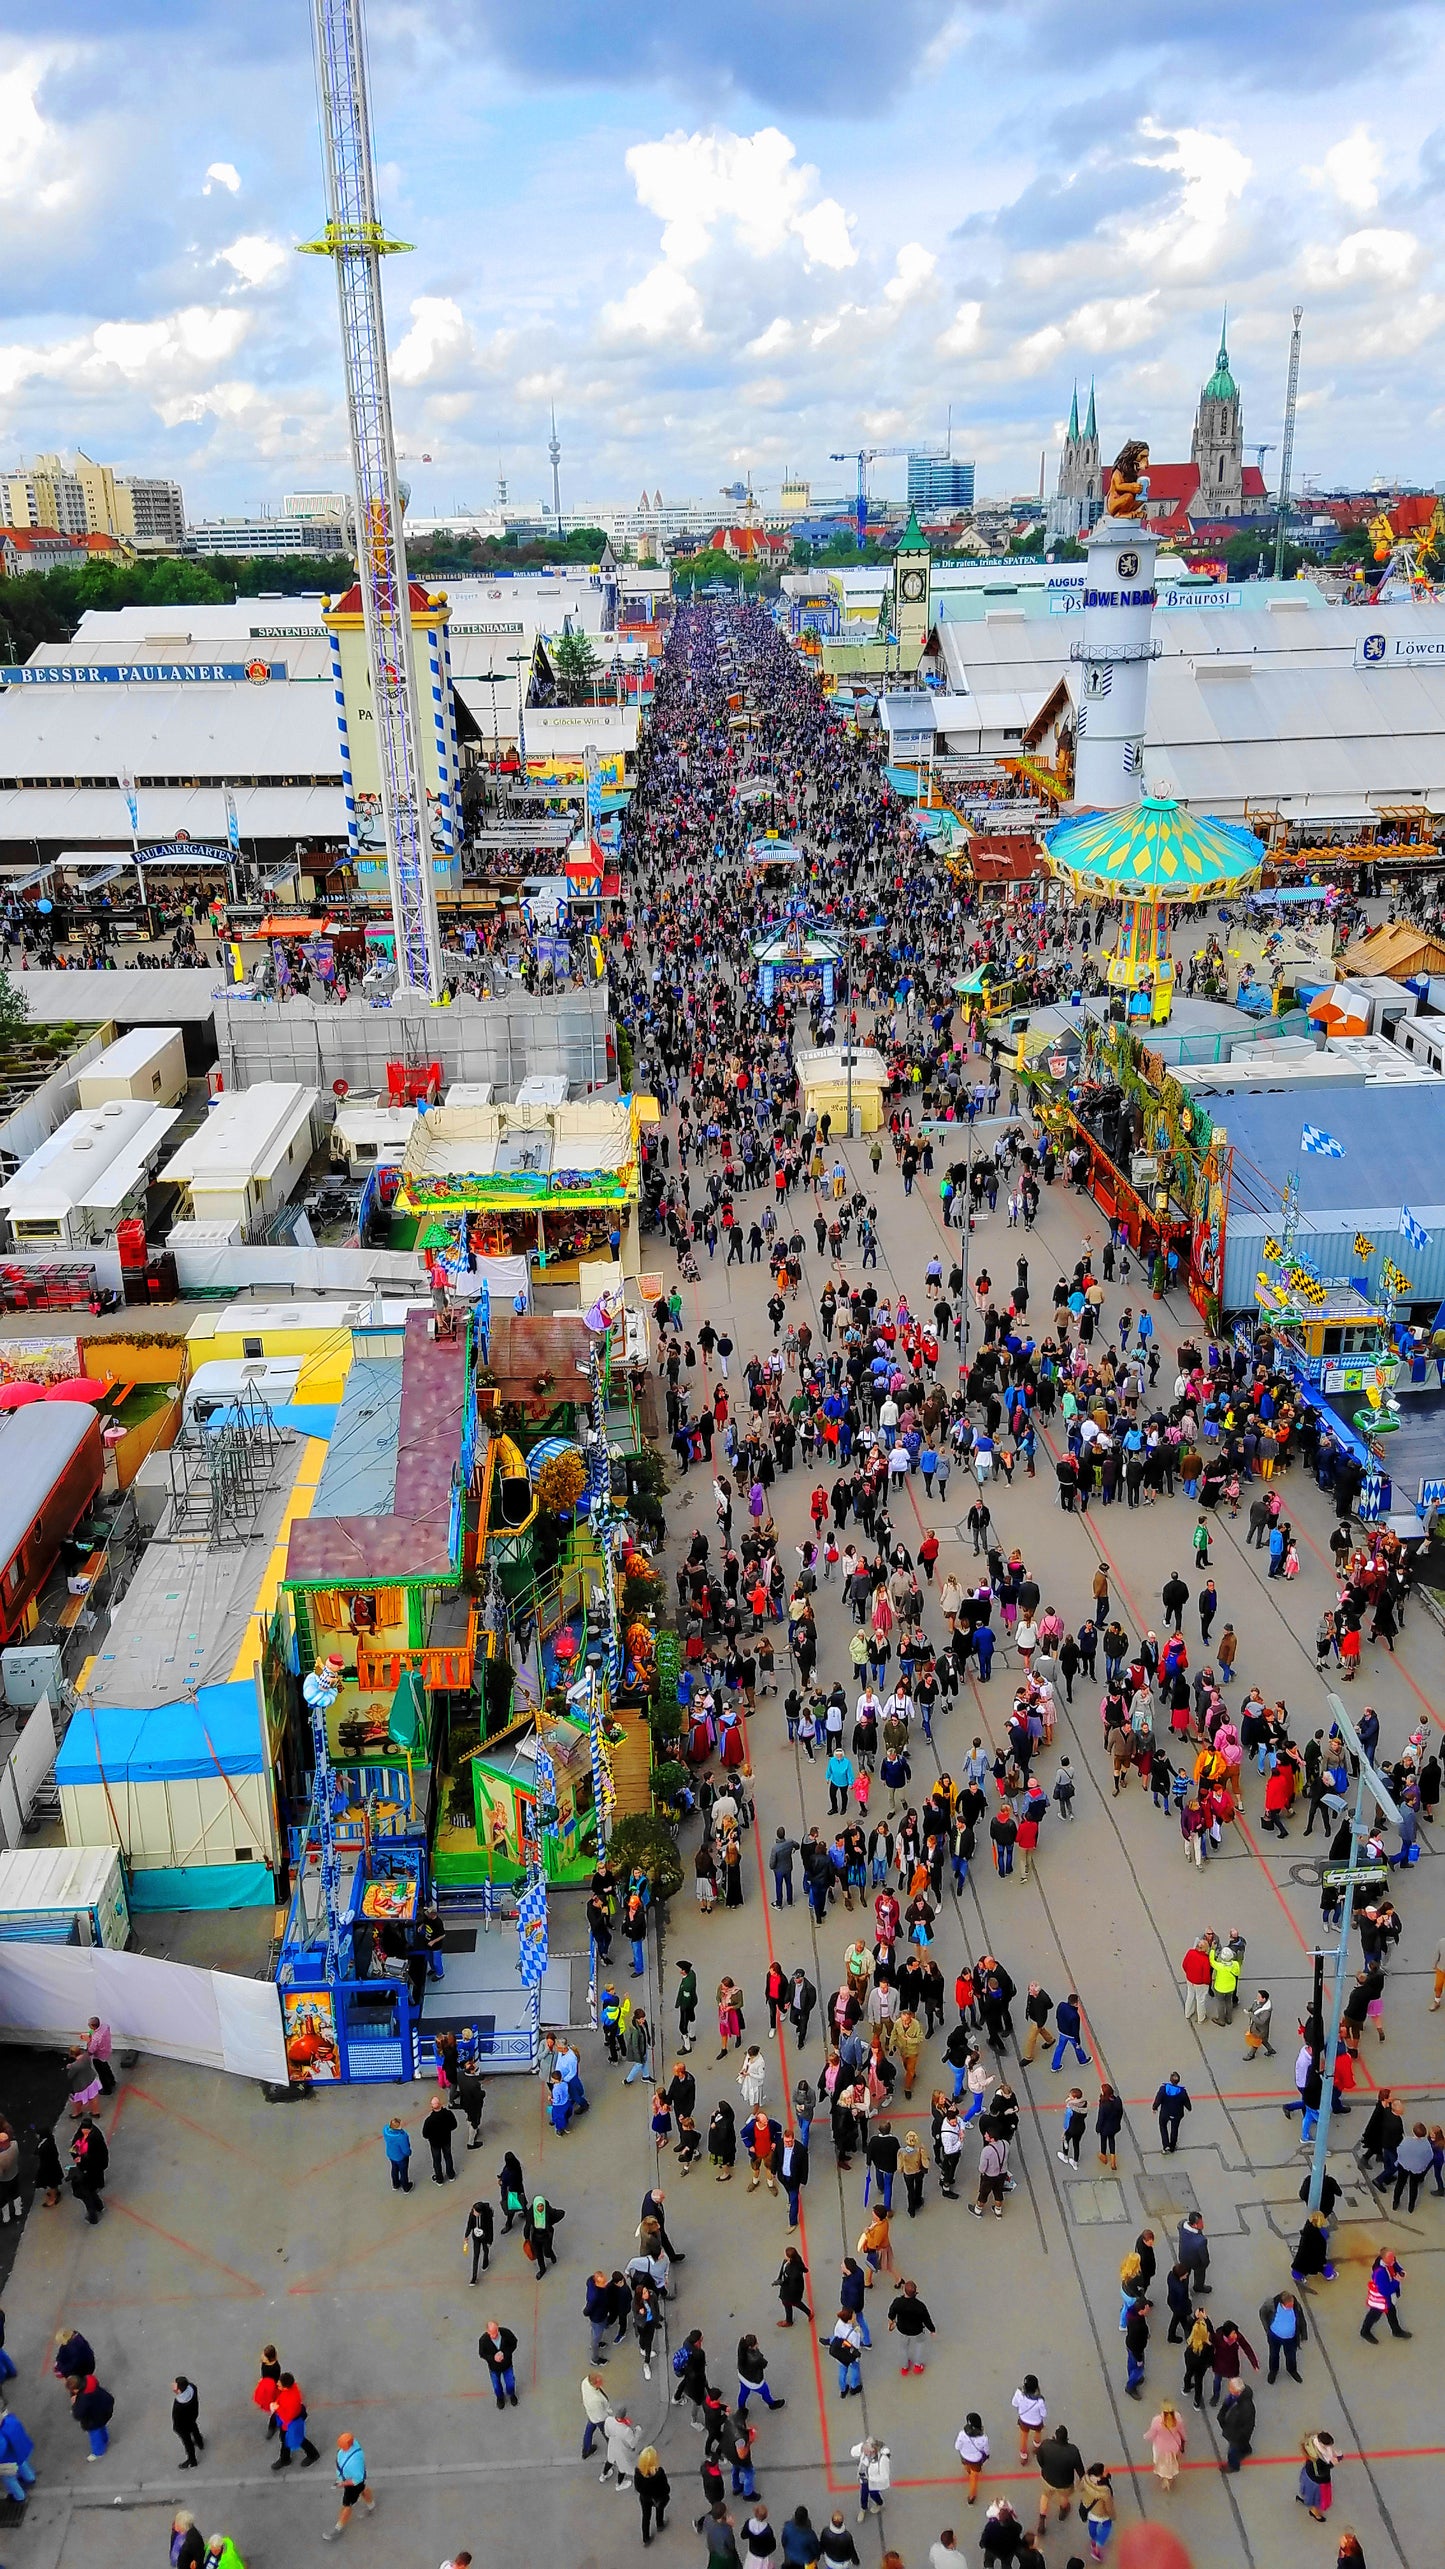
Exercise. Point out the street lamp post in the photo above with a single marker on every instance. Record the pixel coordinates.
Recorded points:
(1370, 1787)
(961, 1324)
(521, 660)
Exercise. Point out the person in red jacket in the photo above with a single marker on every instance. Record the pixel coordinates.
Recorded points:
(289, 2410)
(1197, 1967)
(1278, 1795)
(928, 1554)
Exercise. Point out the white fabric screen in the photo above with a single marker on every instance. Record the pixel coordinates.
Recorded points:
(212, 2018)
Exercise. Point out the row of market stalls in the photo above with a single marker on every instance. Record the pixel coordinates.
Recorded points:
(1246, 1164)
(431, 1642)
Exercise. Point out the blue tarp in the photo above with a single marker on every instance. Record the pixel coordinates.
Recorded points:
(114, 1744)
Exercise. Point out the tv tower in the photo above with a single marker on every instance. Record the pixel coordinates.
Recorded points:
(554, 449)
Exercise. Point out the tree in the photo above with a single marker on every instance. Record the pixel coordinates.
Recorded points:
(644, 1839)
(1031, 544)
(13, 1013)
(1357, 545)
(1250, 557)
(704, 569)
(1065, 550)
(575, 663)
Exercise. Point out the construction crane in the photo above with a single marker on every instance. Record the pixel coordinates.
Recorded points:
(356, 241)
(863, 456)
(1259, 449)
(1286, 461)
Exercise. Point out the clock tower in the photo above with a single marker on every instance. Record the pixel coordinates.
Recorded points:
(911, 610)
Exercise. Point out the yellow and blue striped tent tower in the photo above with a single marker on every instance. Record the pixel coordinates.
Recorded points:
(1152, 857)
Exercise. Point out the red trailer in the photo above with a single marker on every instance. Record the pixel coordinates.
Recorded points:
(51, 1466)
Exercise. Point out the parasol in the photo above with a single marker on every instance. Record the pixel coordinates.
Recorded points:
(79, 1387)
(19, 1395)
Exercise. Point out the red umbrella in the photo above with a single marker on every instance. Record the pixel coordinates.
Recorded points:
(79, 1387)
(19, 1395)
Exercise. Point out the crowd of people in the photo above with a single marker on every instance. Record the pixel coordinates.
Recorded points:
(875, 1400)
(937, 1708)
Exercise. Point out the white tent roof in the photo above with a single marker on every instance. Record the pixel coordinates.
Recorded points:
(1335, 742)
(167, 627)
(225, 730)
(78, 815)
(830, 1062)
(1009, 648)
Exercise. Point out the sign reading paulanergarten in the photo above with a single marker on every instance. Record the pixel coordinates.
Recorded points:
(141, 673)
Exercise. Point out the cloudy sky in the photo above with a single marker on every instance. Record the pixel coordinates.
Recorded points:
(725, 237)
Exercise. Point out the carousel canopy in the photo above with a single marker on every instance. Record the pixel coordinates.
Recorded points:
(1153, 848)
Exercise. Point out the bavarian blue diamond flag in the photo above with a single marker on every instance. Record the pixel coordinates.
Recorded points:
(532, 1930)
(1324, 1146)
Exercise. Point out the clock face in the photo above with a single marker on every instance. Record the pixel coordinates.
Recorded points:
(913, 584)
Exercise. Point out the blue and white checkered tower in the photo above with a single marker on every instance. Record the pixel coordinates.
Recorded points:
(348, 789)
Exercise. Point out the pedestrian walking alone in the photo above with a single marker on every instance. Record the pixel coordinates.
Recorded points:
(437, 2128)
(351, 2488)
(186, 2420)
(1166, 2440)
(92, 2407)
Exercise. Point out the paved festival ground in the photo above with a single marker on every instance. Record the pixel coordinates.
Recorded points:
(232, 2222)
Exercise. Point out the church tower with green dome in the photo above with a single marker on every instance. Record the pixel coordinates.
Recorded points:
(1218, 447)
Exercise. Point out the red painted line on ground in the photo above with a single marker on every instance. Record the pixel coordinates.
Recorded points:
(1326, 1562)
(1205, 2462)
(834, 2483)
(336, 2278)
(1257, 1851)
(173, 2114)
(188, 2248)
(1127, 1593)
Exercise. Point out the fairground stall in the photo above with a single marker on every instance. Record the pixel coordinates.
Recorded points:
(797, 959)
(557, 1564)
(1151, 857)
(384, 1640)
(837, 1079)
(553, 1184)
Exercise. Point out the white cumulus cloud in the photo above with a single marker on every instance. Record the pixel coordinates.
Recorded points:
(963, 333)
(751, 188)
(913, 274)
(1351, 171)
(1375, 256)
(438, 340)
(222, 174)
(32, 163)
(254, 257)
(780, 333)
(1215, 174)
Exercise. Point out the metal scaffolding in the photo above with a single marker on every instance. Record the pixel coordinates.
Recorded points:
(221, 1478)
(356, 242)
